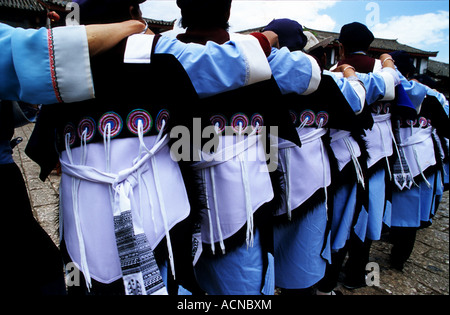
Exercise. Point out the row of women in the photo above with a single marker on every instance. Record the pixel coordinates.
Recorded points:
(295, 166)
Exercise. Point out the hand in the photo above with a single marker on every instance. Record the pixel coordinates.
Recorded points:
(346, 70)
(102, 37)
(387, 61)
(272, 37)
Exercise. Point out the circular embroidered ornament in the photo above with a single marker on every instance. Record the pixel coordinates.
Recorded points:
(239, 122)
(423, 122)
(294, 117)
(86, 124)
(136, 116)
(70, 130)
(219, 121)
(307, 117)
(113, 120)
(321, 119)
(411, 122)
(163, 116)
(376, 109)
(257, 122)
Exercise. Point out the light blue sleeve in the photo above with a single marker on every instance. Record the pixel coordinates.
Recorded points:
(294, 72)
(9, 83)
(415, 90)
(375, 86)
(25, 65)
(348, 91)
(212, 68)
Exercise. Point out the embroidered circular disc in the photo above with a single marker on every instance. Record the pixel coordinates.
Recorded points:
(219, 121)
(70, 130)
(136, 116)
(86, 124)
(113, 120)
(239, 122)
(411, 122)
(423, 122)
(294, 117)
(163, 116)
(322, 119)
(257, 121)
(308, 116)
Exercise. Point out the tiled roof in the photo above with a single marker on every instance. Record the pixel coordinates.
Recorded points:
(438, 68)
(380, 44)
(22, 4)
(31, 5)
(160, 22)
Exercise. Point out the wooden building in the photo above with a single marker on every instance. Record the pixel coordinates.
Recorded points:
(35, 13)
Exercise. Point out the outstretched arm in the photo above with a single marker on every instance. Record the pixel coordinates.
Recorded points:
(47, 66)
(102, 37)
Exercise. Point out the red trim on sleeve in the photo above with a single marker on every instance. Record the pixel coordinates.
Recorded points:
(51, 54)
(264, 42)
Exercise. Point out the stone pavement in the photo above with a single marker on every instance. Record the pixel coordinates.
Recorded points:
(425, 273)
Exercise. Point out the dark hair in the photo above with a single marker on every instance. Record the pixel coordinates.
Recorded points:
(403, 62)
(105, 11)
(355, 37)
(290, 33)
(205, 13)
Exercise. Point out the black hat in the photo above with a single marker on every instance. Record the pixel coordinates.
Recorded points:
(403, 61)
(290, 33)
(100, 11)
(204, 13)
(356, 36)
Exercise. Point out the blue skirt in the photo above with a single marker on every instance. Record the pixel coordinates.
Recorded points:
(370, 221)
(413, 206)
(239, 272)
(344, 206)
(446, 174)
(300, 256)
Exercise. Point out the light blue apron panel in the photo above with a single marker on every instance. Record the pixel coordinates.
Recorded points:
(343, 213)
(239, 272)
(361, 224)
(299, 259)
(269, 281)
(377, 203)
(439, 192)
(427, 199)
(411, 206)
(374, 215)
(446, 175)
(388, 214)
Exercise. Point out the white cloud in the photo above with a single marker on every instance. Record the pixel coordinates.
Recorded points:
(421, 31)
(249, 14)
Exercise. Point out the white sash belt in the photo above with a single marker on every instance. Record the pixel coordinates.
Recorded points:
(345, 136)
(121, 190)
(418, 136)
(208, 167)
(386, 137)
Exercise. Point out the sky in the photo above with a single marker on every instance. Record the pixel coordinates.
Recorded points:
(420, 24)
